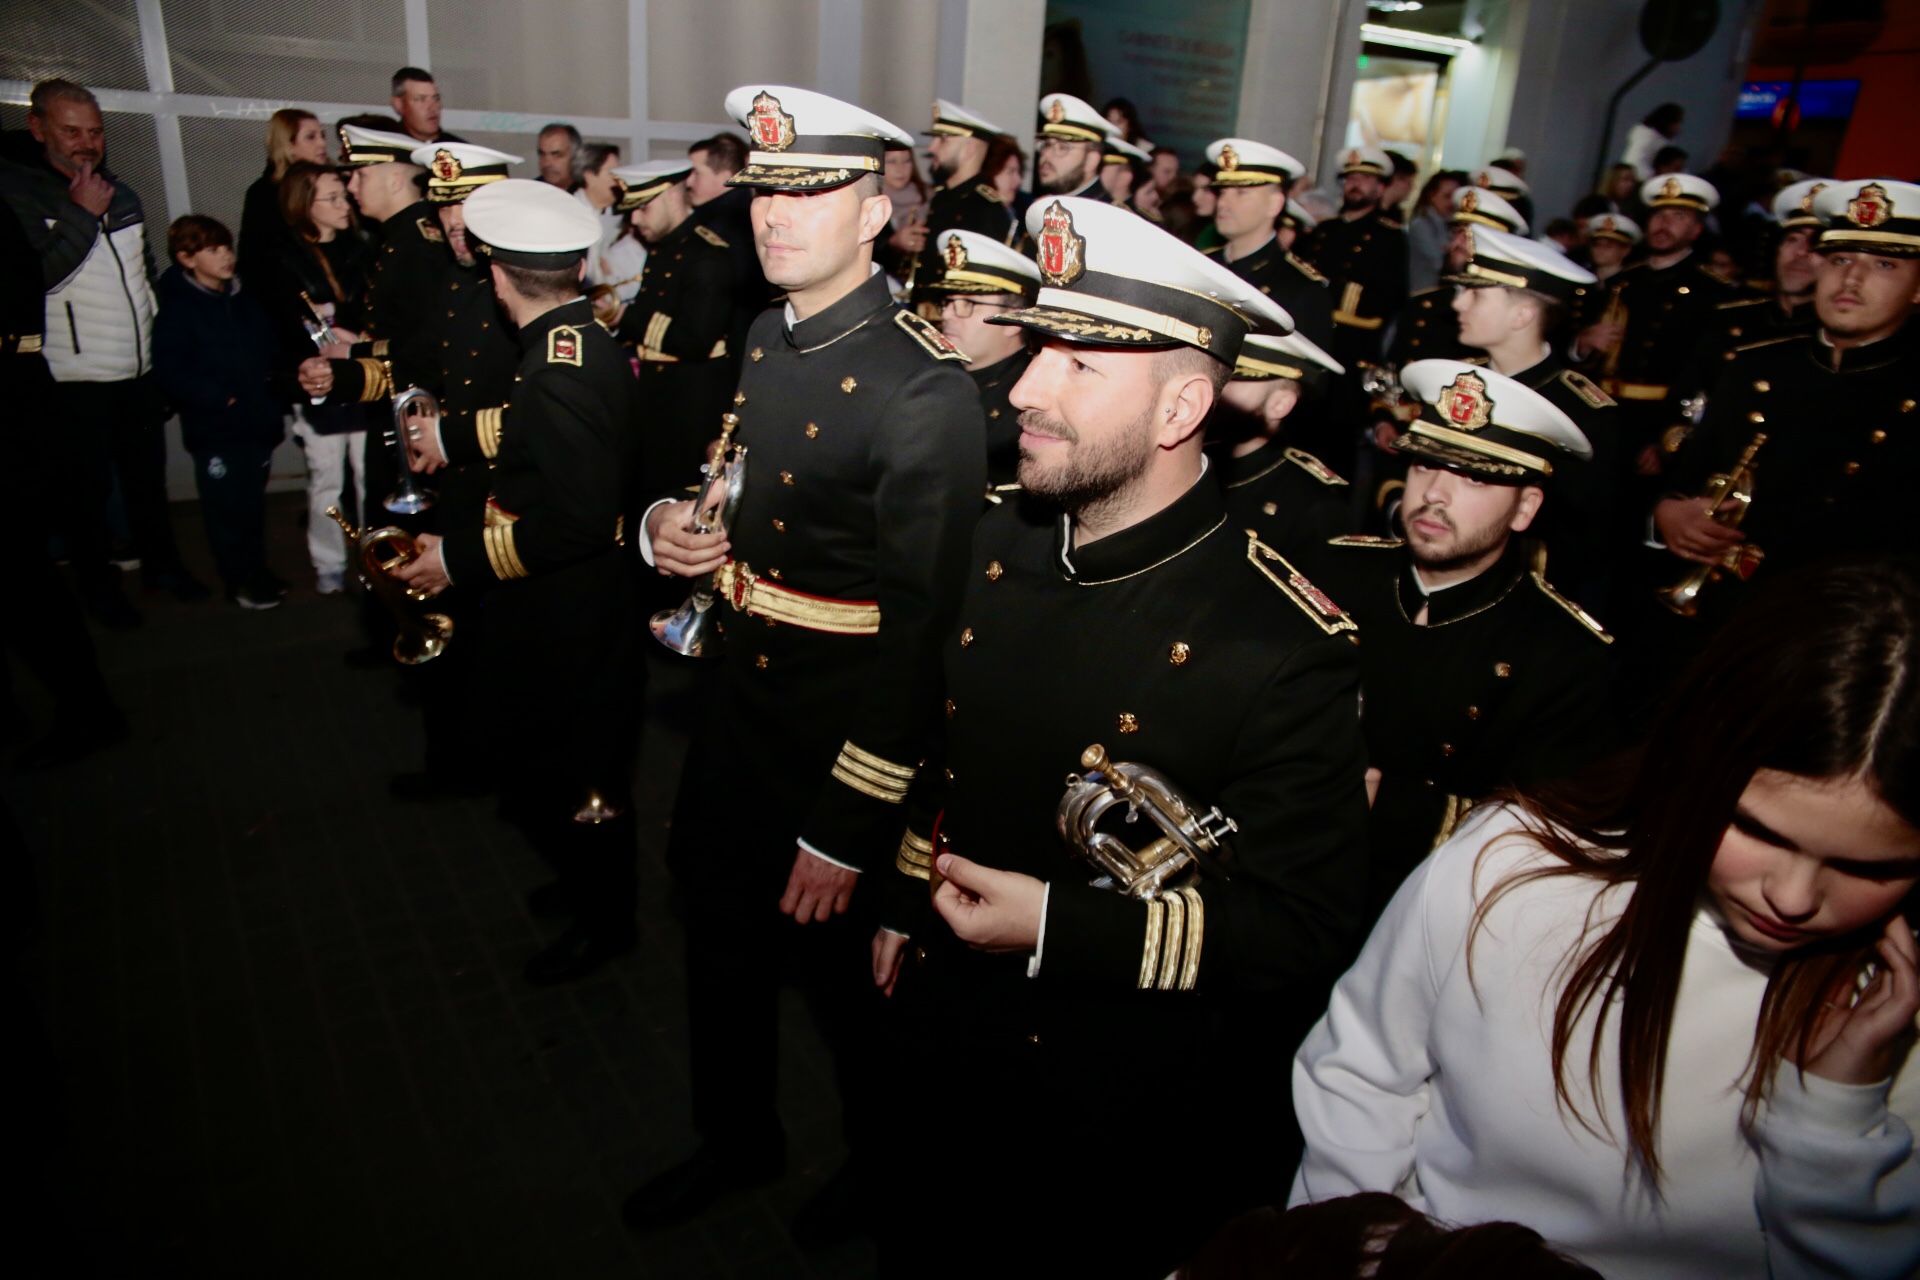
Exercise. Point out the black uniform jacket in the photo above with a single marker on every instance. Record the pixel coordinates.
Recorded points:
(971, 206)
(1667, 309)
(407, 310)
(1290, 282)
(546, 549)
(1178, 644)
(996, 382)
(1507, 682)
(1737, 323)
(1293, 499)
(866, 463)
(681, 323)
(1427, 328)
(1366, 261)
(1842, 446)
(1582, 510)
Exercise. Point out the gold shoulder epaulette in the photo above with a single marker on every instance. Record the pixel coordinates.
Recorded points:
(986, 191)
(1373, 540)
(1580, 615)
(1589, 392)
(1769, 342)
(1309, 599)
(928, 336)
(1305, 268)
(1740, 302)
(711, 236)
(1481, 360)
(1314, 467)
(430, 230)
(565, 346)
(1214, 250)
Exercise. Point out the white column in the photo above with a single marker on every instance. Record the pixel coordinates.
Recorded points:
(842, 34)
(166, 124)
(419, 45)
(989, 60)
(1297, 83)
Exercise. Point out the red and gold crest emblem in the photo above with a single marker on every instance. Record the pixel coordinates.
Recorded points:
(1056, 111)
(1063, 251)
(1871, 207)
(1483, 179)
(566, 346)
(1229, 160)
(1353, 160)
(1607, 224)
(771, 127)
(446, 165)
(1463, 402)
(1470, 202)
(1670, 189)
(956, 255)
(1806, 201)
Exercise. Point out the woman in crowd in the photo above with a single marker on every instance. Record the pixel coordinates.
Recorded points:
(293, 136)
(1124, 116)
(326, 257)
(1430, 228)
(1620, 189)
(1668, 1028)
(1006, 168)
(619, 259)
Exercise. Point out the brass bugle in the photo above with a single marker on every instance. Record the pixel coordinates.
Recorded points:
(424, 633)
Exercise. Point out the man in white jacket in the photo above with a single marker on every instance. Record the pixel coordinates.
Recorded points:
(90, 234)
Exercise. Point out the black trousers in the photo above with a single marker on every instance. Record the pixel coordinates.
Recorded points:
(100, 430)
(232, 481)
(733, 845)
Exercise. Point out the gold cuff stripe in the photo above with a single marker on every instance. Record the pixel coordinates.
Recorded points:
(381, 348)
(501, 554)
(1171, 940)
(873, 777)
(908, 862)
(866, 785)
(812, 160)
(1476, 444)
(486, 426)
(1150, 950)
(880, 763)
(1125, 313)
(1196, 932)
(375, 384)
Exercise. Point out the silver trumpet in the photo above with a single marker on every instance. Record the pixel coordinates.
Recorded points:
(689, 630)
(320, 330)
(1185, 841)
(409, 497)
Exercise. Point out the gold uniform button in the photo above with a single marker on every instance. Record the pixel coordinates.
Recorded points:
(760, 662)
(1683, 291)
(1270, 508)
(1503, 669)
(1127, 722)
(1034, 1039)
(779, 525)
(1179, 653)
(1852, 468)
(1446, 749)
(786, 477)
(756, 355)
(739, 397)
(949, 775)
(949, 708)
(966, 636)
(1763, 386)
(994, 570)
(775, 574)
(1756, 417)
(1906, 406)
(848, 383)
(1473, 713)
(993, 413)
(813, 429)
(1876, 436)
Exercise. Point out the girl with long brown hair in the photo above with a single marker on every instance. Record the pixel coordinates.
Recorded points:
(294, 137)
(1669, 1028)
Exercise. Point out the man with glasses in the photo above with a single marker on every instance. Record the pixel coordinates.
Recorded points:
(1071, 148)
(979, 279)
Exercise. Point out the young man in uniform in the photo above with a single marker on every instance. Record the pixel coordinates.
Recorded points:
(839, 576)
(1477, 672)
(546, 552)
(1140, 618)
(1364, 259)
(980, 279)
(1295, 500)
(1251, 180)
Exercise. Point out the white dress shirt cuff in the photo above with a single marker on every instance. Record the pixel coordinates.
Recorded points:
(823, 857)
(1040, 942)
(646, 547)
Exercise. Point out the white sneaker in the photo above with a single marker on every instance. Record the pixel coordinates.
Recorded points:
(330, 584)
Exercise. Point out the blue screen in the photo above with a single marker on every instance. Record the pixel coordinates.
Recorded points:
(1819, 99)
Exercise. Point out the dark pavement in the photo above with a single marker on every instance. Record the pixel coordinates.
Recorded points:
(272, 1021)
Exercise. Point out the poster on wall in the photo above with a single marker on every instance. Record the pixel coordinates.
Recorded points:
(1179, 63)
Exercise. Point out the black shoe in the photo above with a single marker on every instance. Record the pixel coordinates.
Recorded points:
(832, 1215)
(550, 901)
(687, 1190)
(109, 607)
(427, 787)
(576, 953)
(368, 658)
(74, 737)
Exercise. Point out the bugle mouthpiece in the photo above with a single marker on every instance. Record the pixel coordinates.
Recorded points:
(1094, 758)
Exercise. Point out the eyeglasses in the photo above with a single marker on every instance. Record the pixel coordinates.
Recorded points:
(963, 308)
(1057, 145)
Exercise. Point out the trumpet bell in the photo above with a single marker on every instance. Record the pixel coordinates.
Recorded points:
(690, 630)
(424, 642)
(408, 500)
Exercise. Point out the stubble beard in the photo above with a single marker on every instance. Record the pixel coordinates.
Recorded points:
(1092, 478)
